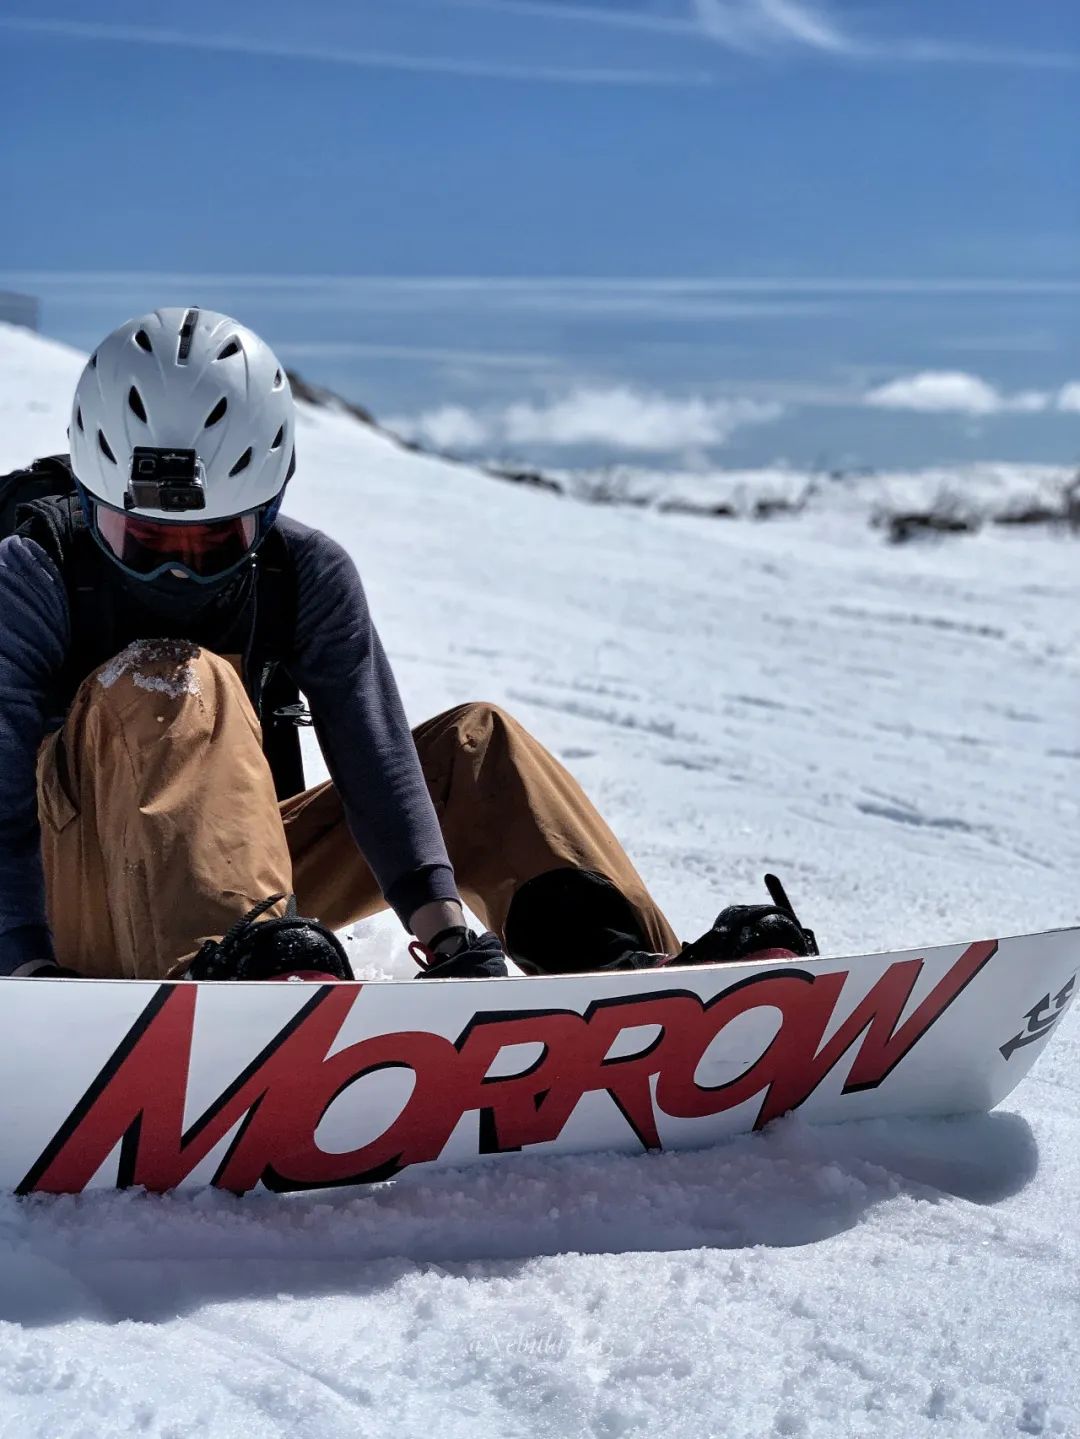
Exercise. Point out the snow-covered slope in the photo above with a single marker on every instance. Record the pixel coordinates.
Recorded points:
(895, 732)
(37, 381)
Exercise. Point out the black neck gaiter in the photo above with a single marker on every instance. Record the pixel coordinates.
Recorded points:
(217, 616)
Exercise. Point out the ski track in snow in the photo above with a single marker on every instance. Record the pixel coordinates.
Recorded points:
(895, 732)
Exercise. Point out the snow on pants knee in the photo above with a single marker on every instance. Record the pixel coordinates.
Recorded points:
(160, 826)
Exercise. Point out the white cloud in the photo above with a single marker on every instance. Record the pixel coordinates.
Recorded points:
(296, 350)
(631, 420)
(959, 52)
(450, 427)
(747, 25)
(756, 25)
(1068, 398)
(361, 59)
(581, 14)
(937, 392)
(953, 392)
(530, 291)
(617, 418)
(1028, 402)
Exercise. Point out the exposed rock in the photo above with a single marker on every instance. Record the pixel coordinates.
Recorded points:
(1030, 515)
(328, 399)
(904, 527)
(532, 478)
(690, 507)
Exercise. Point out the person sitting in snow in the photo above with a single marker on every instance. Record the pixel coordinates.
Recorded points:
(152, 823)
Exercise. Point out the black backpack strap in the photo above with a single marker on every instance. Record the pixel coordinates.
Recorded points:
(274, 692)
(56, 522)
(91, 604)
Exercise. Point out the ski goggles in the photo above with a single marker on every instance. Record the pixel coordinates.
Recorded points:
(203, 550)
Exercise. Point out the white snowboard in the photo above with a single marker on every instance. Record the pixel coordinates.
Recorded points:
(300, 1086)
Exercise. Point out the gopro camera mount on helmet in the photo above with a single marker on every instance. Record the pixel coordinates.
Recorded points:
(165, 479)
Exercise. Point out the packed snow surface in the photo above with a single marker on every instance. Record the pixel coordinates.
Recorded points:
(895, 731)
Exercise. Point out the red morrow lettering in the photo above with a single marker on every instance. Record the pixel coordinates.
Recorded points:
(276, 1104)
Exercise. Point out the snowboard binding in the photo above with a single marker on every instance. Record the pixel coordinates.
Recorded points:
(287, 948)
(753, 932)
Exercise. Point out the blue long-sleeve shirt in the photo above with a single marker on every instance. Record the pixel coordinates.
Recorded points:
(338, 662)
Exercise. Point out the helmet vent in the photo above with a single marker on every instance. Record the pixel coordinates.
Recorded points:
(242, 463)
(279, 380)
(103, 445)
(217, 412)
(187, 334)
(93, 361)
(278, 439)
(142, 339)
(136, 404)
(78, 418)
(232, 348)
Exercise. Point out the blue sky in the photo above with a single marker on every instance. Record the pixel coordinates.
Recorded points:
(735, 230)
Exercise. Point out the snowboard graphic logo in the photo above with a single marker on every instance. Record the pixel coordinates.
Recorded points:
(1041, 1019)
(267, 1117)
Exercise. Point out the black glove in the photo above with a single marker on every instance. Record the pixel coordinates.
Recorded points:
(459, 953)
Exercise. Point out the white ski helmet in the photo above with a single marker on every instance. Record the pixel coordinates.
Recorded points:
(182, 418)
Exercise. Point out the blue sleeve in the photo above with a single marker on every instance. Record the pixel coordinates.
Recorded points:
(342, 669)
(34, 638)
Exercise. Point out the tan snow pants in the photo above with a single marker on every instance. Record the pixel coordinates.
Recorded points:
(160, 826)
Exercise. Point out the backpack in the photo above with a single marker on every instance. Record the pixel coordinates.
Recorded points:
(41, 501)
(42, 479)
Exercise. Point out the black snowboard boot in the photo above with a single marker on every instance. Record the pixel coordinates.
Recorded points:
(574, 921)
(286, 948)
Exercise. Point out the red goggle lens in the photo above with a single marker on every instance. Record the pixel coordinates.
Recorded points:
(206, 549)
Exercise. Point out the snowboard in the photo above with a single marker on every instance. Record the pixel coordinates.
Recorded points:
(297, 1086)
